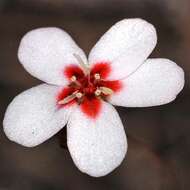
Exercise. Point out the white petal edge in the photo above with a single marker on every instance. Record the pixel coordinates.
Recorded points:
(126, 45)
(97, 146)
(156, 82)
(32, 117)
(44, 53)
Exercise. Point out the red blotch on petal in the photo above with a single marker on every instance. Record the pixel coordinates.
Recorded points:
(91, 107)
(103, 68)
(115, 85)
(75, 70)
(63, 94)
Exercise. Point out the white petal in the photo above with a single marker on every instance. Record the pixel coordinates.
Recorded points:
(99, 145)
(45, 52)
(125, 45)
(156, 82)
(32, 116)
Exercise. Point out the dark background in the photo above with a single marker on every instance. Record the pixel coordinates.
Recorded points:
(158, 156)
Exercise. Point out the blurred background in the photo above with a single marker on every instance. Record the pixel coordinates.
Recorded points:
(158, 156)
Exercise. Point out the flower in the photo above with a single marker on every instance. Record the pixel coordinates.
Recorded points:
(79, 93)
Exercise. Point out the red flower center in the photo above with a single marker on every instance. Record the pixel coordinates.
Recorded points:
(87, 89)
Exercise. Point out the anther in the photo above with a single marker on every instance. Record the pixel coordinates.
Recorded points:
(97, 92)
(106, 90)
(79, 95)
(97, 76)
(73, 78)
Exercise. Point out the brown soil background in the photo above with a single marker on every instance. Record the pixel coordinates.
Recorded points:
(159, 145)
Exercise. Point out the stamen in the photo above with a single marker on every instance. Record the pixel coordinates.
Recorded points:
(97, 76)
(84, 66)
(69, 98)
(97, 92)
(105, 90)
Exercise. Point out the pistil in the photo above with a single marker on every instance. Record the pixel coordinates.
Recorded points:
(83, 66)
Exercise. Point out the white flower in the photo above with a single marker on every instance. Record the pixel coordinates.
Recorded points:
(79, 93)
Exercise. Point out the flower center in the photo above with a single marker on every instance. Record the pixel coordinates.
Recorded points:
(87, 86)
